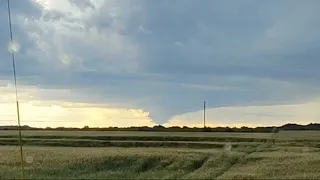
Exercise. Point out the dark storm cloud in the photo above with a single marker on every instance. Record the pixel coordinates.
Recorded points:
(253, 51)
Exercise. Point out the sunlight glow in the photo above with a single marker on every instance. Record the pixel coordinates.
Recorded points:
(251, 116)
(65, 59)
(13, 47)
(46, 4)
(38, 112)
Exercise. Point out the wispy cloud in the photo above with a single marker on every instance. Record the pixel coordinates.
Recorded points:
(179, 43)
(141, 28)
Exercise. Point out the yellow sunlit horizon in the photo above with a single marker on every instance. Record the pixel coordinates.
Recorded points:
(37, 112)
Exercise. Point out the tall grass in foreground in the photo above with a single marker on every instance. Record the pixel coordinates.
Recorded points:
(160, 163)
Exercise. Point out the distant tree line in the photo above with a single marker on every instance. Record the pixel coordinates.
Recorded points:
(159, 128)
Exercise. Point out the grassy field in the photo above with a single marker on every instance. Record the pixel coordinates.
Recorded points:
(156, 155)
(283, 135)
(131, 133)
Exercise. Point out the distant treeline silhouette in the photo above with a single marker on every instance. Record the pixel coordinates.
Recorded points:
(159, 128)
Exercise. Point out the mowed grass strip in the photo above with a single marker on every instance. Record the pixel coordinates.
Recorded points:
(282, 136)
(144, 138)
(101, 143)
(132, 133)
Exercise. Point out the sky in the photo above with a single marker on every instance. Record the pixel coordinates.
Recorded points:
(145, 62)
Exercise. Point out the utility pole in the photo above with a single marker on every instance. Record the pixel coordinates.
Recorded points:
(204, 114)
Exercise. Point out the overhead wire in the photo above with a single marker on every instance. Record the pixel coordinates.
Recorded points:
(16, 90)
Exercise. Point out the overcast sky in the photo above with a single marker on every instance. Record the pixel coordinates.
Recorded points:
(146, 62)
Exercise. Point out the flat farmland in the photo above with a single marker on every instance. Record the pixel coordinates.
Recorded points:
(160, 163)
(298, 135)
(161, 155)
(131, 133)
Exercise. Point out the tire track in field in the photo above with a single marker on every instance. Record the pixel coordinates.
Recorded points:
(242, 159)
(272, 137)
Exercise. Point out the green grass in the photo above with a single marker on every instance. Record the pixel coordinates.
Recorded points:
(100, 143)
(144, 138)
(132, 133)
(169, 136)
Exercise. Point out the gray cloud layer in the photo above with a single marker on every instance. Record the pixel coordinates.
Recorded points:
(168, 56)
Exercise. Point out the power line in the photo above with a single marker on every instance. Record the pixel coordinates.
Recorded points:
(16, 90)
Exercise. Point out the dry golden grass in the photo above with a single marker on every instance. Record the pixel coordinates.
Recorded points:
(223, 156)
(160, 163)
